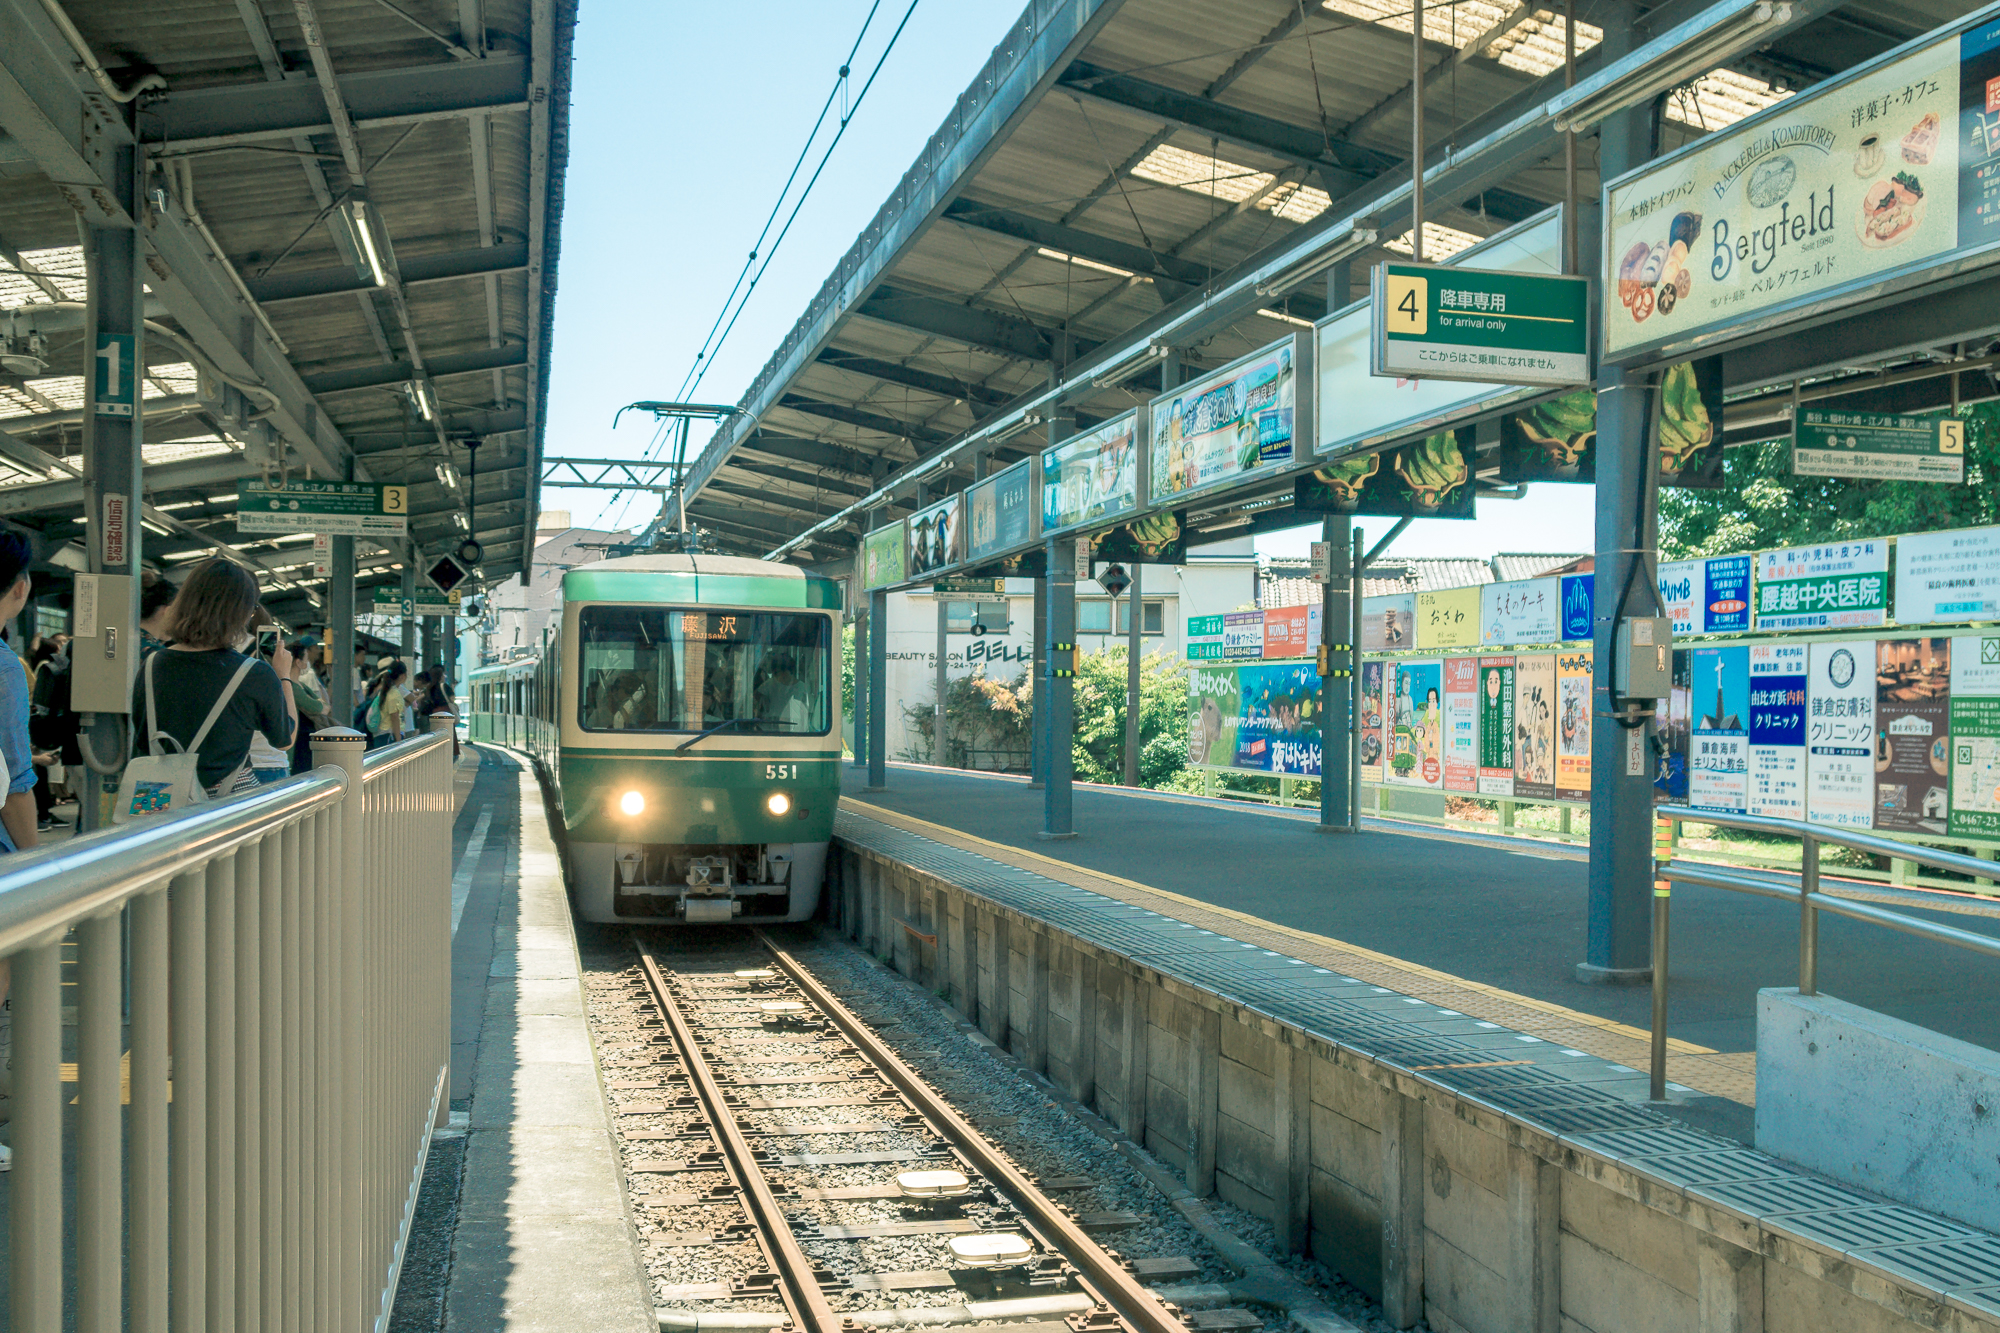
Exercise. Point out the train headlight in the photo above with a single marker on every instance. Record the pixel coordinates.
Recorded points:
(778, 803)
(633, 803)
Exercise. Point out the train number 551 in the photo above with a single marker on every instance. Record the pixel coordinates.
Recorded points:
(775, 771)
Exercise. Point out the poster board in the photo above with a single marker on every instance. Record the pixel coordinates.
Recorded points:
(1448, 618)
(1777, 786)
(1229, 425)
(1461, 724)
(1496, 726)
(1840, 734)
(1912, 726)
(1091, 477)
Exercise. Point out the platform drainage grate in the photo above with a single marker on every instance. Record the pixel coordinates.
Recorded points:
(1591, 1119)
(1866, 1228)
(1710, 1168)
(1948, 1265)
(1653, 1142)
(1799, 1194)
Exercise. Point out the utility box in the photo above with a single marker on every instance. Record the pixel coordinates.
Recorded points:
(1644, 658)
(104, 648)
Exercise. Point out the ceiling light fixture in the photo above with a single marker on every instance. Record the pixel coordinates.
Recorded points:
(1288, 319)
(1306, 269)
(1144, 358)
(358, 211)
(1677, 56)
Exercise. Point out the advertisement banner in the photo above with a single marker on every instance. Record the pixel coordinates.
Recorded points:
(1578, 601)
(1389, 622)
(1243, 634)
(1913, 734)
(1372, 674)
(1948, 576)
(1853, 180)
(1204, 638)
(1496, 726)
(935, 533)
(1002, 514)
(1837, 585)
(1278, 727)
(1461, 724)
(1291, 631)
(1552, 441)
(1690, 424)
(1416, 724)
(1706, 596)
(1525, 611)
(884, 557)
(1719, 751)
(1975, 737)
(1155, 539)
(1670, 774)
(1535, 727)
(1778, 730)
(1840, 734)
(1091, 476)
(1448, 618)
(1234, 423)
(1213, 709)
(1573, 726)
(1429, 479)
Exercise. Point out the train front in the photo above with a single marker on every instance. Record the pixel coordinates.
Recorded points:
(700, 748)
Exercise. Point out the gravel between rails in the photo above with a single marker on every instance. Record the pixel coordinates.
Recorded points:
(1034, 1124)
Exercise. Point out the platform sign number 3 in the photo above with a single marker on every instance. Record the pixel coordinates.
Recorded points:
(116, 387)
(1409, 304)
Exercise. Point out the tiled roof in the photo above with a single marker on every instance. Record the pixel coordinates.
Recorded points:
(1510, 565)
(1288, 582)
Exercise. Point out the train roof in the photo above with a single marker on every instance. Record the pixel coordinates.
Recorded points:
(702, 580)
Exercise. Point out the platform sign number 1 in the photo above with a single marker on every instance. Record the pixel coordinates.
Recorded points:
(116, 391)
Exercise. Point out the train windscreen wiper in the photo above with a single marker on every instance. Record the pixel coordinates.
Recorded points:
(720, 726)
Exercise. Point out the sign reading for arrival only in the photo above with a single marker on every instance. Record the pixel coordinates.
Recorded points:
(1435, 322)
(337, 508)
(1868, 444)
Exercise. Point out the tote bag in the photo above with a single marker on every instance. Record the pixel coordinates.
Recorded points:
(165, 781)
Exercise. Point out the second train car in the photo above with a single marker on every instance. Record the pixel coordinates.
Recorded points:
(686, 711)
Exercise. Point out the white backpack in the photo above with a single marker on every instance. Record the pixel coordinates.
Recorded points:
(165, 781)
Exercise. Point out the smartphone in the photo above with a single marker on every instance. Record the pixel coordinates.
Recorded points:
(267, 642)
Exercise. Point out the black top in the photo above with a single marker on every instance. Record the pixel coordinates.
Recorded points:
(187, 686)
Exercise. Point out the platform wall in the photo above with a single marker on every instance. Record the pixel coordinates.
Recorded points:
(1441, 1207)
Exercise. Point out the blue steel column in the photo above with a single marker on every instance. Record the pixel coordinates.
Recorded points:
(878, 691)
(1038, 716)
(1059, 690)
(1618, 948)
(340, 629)
(410, 595)
(863, 626)
(1336, 627)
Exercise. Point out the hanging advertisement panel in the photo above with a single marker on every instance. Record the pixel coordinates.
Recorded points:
(1523, 611)
(1578, 601)
(1213, 709)
(935, 533)
(1913, 734)
(1719, 750)
(1552, 441)
(884, 557)
(1243, 634)
(1817, 201)
(1975, 737)
(1690, 424)
(1389, 623)
(1372, 676)
(1429, 479)
(1535, 726)
(1836, 585)
(1496, 726)
(1002, 513)
(1461, 724)
(1416, 724)
(1092, 476)
(1943, 577)
(1156, 539)
(1573, 726)
(1448, 618)
(1277, 730)
(1840, 734)
(1234, 423)
(1778, 730)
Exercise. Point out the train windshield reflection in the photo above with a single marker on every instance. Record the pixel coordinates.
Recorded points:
(688, 669)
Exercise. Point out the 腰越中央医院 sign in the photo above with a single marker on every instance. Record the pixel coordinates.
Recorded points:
(1871, 446)
(337, 508)
(1435, 321)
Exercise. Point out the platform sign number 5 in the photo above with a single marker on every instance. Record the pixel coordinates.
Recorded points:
(116, 390)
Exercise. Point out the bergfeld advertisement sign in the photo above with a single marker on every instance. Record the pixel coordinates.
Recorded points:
(1238, 422)
(1824, 199)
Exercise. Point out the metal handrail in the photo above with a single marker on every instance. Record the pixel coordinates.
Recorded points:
(379, 763)
(50, 889)
(1806, 892)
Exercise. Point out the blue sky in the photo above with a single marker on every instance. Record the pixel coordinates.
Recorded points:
(681, 134)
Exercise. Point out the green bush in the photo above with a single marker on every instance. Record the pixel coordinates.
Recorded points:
(1099, 739)
(979, 714)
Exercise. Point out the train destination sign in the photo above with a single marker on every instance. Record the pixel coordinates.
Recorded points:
(1878, 447)
(337, 508)
(1436, 321)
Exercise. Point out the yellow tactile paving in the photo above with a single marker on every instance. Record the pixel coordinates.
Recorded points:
(1732, 1075)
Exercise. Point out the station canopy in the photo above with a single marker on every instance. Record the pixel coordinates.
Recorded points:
(348, 222)
(1121, 168)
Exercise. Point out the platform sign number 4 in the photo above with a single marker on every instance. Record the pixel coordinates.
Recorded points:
(116, 386)
(1409, 304)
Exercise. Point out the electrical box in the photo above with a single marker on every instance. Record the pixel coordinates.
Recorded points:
(1644, 653)
(104, 648)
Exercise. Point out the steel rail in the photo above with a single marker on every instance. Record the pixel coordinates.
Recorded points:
(798, 1287)
(1104, 1276)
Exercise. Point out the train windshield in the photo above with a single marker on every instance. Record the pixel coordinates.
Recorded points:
(648, 668)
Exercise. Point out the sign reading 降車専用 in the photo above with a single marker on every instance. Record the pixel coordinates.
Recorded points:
(389, 600)
(338, 508)
(1877, 447)
(1851, 190)
(1434, 321)
(1835, 585)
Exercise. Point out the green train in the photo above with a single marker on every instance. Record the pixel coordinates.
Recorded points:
(686, 715)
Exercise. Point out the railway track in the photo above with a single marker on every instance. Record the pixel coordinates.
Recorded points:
(755, 1063)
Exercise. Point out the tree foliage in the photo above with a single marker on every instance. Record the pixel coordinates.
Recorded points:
(980, 714)
(1099, 747)
(1762, 505)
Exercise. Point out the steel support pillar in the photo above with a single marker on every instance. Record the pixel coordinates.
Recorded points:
(878, 690)
(340, 630)
(1058, 687)
(940, 685)
(1135, 616)
(409, 599)
(114, 359)
(1336, 624)
(864, 624)
(1038, 716)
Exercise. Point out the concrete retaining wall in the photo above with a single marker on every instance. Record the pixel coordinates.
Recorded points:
(1880, 1103)
(1440, 1206)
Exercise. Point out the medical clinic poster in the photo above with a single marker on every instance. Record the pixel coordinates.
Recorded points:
(1912, 727)
(1719, 752)
(1975, 737)
(1840, 734)
(1416, 724)
(1573, 726)
(1461, 724)
(1535, 727)
(1778, 730)
(1496, 726)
